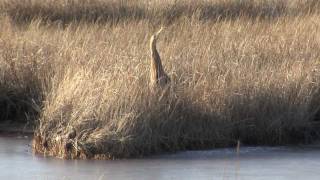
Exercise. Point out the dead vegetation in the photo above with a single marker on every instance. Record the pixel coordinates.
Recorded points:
(152, 11)
(235, 75)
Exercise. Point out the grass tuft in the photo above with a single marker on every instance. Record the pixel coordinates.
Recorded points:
(240, 70)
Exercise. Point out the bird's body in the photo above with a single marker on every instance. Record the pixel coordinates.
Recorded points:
(158, 77)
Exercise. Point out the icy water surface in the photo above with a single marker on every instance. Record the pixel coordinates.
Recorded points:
(18, 162)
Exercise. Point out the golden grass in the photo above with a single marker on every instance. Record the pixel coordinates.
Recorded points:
(152, 11)
(248, 77)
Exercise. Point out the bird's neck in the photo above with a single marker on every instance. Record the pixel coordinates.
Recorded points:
(156, 60)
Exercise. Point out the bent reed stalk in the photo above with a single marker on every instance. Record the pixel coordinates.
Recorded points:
(86, 82)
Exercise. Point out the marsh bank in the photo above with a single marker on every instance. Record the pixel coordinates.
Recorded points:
(80, 70)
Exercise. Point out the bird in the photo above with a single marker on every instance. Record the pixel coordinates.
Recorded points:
(158, 77)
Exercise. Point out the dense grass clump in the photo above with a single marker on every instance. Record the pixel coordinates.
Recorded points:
(240, 70)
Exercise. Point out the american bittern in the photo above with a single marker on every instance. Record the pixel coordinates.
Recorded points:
(158, 77)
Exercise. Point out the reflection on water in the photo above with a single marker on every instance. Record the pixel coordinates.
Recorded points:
(17, 162)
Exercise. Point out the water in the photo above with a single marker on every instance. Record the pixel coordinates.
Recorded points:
(18, 162)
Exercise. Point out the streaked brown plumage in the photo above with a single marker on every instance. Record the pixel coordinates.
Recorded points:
(158, 77)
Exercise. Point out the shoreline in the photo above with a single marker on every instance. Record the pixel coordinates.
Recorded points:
(8, 129)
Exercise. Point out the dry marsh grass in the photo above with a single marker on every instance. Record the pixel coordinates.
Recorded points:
(152, 11)
(238, 78)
